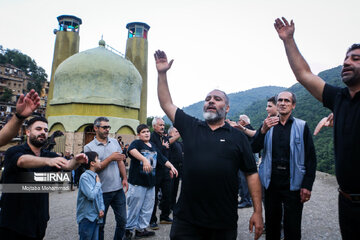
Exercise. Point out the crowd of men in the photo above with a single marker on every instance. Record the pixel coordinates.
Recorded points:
(213, 155)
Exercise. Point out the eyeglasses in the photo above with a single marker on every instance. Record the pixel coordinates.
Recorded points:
(105, 127)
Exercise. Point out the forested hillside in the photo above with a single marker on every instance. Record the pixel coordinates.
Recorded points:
(312, 111)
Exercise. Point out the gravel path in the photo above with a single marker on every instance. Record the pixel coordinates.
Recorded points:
(320, 217)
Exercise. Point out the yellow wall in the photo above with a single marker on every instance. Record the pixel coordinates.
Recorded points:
(126, 130)
(137, 53)
(84, 109)
(57, 127)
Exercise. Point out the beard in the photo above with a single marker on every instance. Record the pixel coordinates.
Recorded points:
(353, 79)
(214, 117)
(36, 142)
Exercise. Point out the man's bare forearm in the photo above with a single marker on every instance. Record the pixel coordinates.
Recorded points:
(302, 71)
(30, 161)
(255, 191)
(165, 97)
(10, 130)
(105, 163)
(72, 164)
(122, 169)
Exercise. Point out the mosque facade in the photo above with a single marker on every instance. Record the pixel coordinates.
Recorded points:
(96, 82)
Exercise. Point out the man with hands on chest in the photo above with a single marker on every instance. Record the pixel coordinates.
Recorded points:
(287, 169)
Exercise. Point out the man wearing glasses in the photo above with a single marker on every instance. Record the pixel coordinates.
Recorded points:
(111, 172)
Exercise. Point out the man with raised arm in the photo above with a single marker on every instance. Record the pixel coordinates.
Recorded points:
(25, 106)
(25, 215)
(345, 104)
(213, 154)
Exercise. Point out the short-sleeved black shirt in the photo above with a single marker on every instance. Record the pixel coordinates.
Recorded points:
(346, 135)
(25, 213)
(209, 189)
(137, 176)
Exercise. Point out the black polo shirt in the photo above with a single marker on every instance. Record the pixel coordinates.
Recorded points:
(209, 188)
(25, 213)
(346, 135)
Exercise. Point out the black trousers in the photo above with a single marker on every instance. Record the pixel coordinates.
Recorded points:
(349, 218)
(163, 182)
(182, 230)
(6, 233)
(277, 199)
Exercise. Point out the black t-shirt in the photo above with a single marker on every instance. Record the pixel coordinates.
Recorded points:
(25, 213)
(346, 135)
(209, 189)
(156, 139)
(176, 152)
(137, 176)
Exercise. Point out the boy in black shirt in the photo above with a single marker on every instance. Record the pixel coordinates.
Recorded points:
(141, 194)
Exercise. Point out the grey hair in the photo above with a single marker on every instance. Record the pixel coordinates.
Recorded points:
(100, 119)
(293, 96)
(170, 129)
(227, 101)
(245, 118)
(155, 120)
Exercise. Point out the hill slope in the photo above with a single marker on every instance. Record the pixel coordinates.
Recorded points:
(312, 111)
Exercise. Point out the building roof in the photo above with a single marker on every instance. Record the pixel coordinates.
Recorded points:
(97, 76)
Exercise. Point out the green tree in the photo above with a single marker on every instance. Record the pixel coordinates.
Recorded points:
(26, 64)
(6, 95)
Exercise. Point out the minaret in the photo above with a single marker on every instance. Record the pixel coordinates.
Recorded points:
(137, 53)
(66, 44)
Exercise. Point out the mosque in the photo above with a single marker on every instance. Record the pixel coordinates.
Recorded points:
(96, 82)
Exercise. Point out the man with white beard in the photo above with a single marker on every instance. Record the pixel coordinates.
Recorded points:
(213, 153)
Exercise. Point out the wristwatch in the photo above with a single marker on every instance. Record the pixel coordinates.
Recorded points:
(20, 117)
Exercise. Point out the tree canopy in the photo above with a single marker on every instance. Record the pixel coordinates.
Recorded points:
(26, 64)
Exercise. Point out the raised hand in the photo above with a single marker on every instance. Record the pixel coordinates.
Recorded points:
(26, 105)
(162, 64)
(268, 123)
(325, 122)
(58, 162)
(81, 158)
(284, 29)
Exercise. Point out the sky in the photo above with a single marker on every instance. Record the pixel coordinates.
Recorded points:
(229, 44)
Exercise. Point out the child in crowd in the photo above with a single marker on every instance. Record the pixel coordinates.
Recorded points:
(141, 195)
(90, 204)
